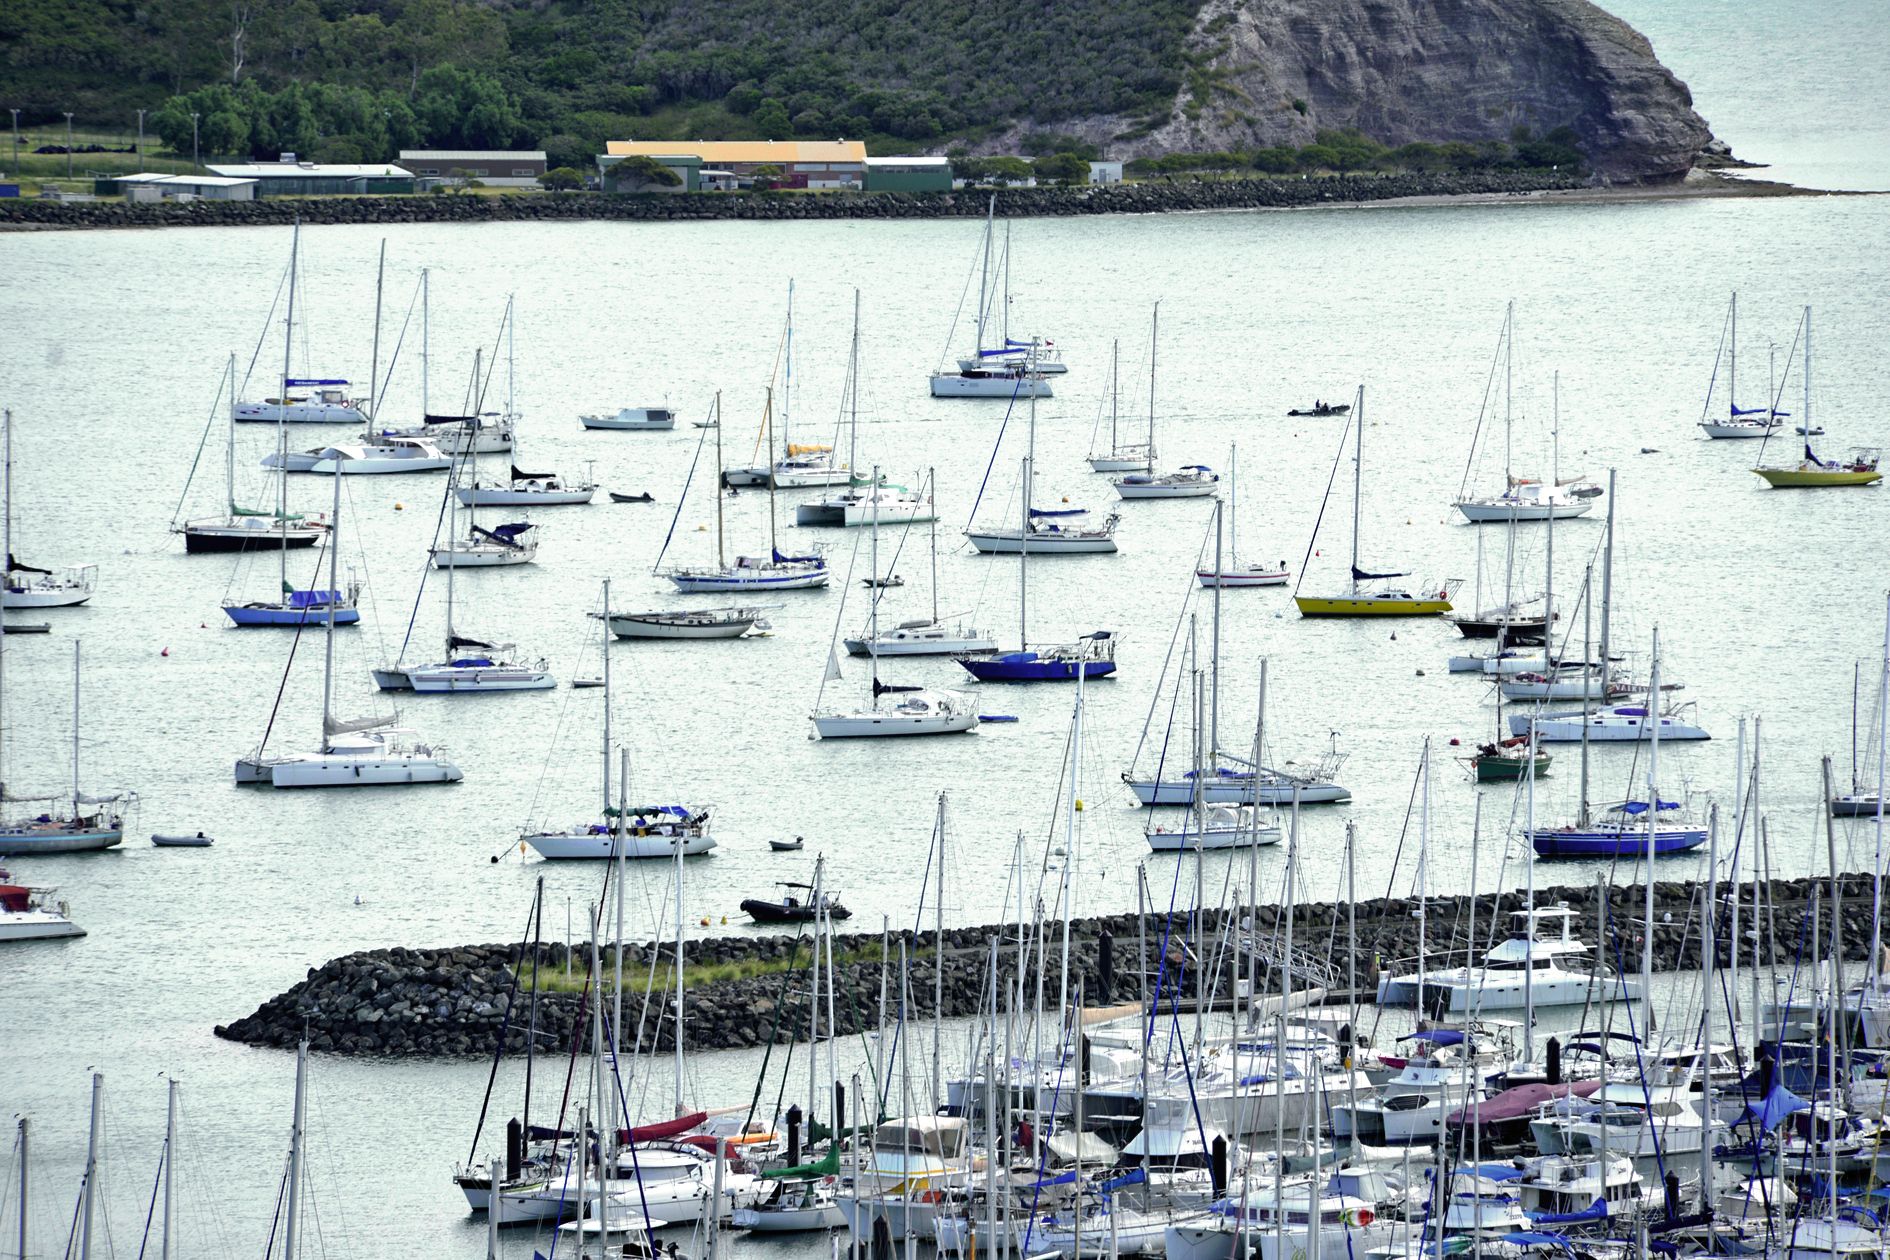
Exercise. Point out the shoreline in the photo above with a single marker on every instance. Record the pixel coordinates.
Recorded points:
(1153, 197)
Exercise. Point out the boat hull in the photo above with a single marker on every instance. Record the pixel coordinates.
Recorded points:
(482, 557)
(214, 540)
(1813, 478)
(1757, 429)
(719, 583)
(27, 841)
(1608, 842)
(962, 645)
(247, 615)
(885, 725)
(1508, 769)
(642, 628)
(792, 1220)
(492, 496)
(1487, 513)
(1211, 839)
(1158, 490)
(1026, 667)
(31, 598)
(1369, 606)
(377, 467)
(392, 679)
(953, 385)
(1236, 578)
(1602, 728)
(1855, 805)
(463, 681)
(296, 413)
(36, 925)
(558, 846)
(337, 772)
(1007, 543)
(1237, 792)
(1115, 464)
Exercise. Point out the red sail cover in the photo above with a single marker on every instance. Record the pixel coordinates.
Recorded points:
(665, 1129)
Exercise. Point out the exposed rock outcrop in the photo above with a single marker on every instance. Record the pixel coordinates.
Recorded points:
(1276, 72)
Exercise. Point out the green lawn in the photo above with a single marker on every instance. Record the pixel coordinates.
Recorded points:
(35, 170)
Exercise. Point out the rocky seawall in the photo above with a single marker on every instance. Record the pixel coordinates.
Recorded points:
(459, 1001)
(1156, 197)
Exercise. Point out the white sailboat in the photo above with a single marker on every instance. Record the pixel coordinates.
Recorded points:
(1014, 369)
(731, 622)
(27, 586)
(1191, 481)
(650, 831)
(359, 752)
(1230, 572)
(1522, 498)
(773, 572)
(527, 489)
(510, 543)
(1046, 531)
(1121, 458)
(1008, 351)
(68, 822)
(926, 636)
(242, 529)
(910, 711)
(1738, 422)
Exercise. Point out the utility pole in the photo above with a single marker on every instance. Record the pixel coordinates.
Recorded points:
(194, 160)
(68, 144)
(16, 142)
(141, 142)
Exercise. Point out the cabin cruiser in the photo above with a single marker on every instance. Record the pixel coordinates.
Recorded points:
(1524, 970)
(325, 402)
(903, 1174)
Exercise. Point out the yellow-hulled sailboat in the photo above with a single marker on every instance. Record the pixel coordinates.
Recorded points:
(1370, 594)
(1861, 469)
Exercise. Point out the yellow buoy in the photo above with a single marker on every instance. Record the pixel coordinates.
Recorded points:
(1079, 806)
(400, 507)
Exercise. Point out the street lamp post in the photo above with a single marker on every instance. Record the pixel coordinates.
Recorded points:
(193, 140)
(140, 142)
(68, 144)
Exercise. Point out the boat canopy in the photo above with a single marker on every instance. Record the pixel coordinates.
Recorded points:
(1640, 807)
(1771, 1111)
(799, 448)
(781, 559)
(304, 382)
(1042, 512)
(504, 535)
(1360, 575)
(313, 599)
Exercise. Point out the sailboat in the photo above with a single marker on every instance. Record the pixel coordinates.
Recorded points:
(1859, 469)
(1866, 800)
(1361, 600)
(506, 544)
(324, 400)
(26, 585)
(1739, 422)
(773, 572)
(651, 831)
(1091, 655)
(244, 529)
(1214, 827)
(73, 822)
(526, 489)
(911, 711)
(1041, 531)
(1012, 369)
(1230, 572)
(357, 752)
(1631, 828)
(863, 501)
(296, 607)
(1193, 481)
(925, 636)
(1121, 458)
(1522, 498)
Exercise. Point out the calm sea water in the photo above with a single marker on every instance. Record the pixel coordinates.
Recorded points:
(1764, 600)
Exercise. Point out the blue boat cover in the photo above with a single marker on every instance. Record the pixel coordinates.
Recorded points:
(781, 559)
(293, 381)
(1640, 807)
(1778, 1103)
(1596, 1211)
(313, 599)
(1134, 1177)
(1038, 512)
(1438, 1037)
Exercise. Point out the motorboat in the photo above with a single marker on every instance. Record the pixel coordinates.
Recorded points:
(488, 434)
(635, 419)
(321, 401)
(1622, 723)
(482, 548)
(915, 711)
(793, 909)
(910, 1165)
(891, 505)
(689, 623)
(1221, 827)
(32, 914)
(1322, 410)
(655, 831)
(1526, 969)
(1280, 1225)
(196, 841)
(807, 467)
(645, 497)
(361, 459)
(525, 489)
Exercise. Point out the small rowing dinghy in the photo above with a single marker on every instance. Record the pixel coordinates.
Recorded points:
(786, 846)
(198, 841)
(631, 498)
(581, 683)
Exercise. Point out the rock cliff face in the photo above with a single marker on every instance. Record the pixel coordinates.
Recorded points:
(1270, 72)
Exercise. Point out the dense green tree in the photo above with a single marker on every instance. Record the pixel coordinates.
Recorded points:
(561, 179)
(1061, 168)
(771, 119)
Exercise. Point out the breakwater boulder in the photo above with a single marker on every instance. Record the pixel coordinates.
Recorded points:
(753, 990)
(1153, 197)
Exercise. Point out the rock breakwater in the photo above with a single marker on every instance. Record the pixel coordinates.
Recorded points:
(1154, 197)
(460, 1001)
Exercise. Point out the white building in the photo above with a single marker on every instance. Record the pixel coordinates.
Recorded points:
(1105, 172)
(153, 186)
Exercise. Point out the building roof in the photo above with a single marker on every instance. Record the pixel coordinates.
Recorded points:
(472, 155)
(199, 181)
(737, 151)
(313, 170)
(910, 163)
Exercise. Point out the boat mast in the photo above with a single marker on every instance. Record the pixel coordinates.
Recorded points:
(931, 485)
(616, 1011)
(1883, 729)
(1358, 476)
(872, 618)
(374, 359)
(1653, 823)
(426, 334)
(334, 594)
(1805, 424)
(282, 426)
(606, 651)
(1115, 390)
(853, 396)
(1509, 359)
(680, 845)
(984, 275)
(170, 1166)
(292, 1233)
(90, 1191)
(787, 382)
(774, 548)
(1732, 362)
(1214, 650)
(720, 563)
(1154, 328)
(1233, 513)
(75, 729)
(511, 368)
(25, 1163)
(1023, 580)
(229, 447)
(1607, 597)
